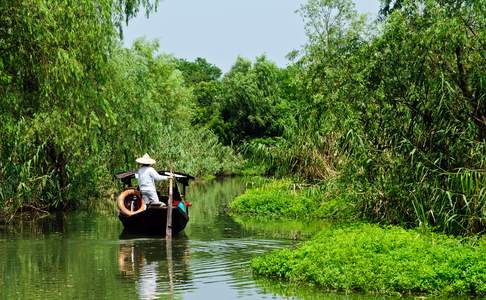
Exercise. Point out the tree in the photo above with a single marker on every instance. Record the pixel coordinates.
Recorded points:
(53, 63)
(198, 71)
(251, 100)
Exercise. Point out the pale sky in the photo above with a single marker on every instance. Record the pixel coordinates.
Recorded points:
(220, 30)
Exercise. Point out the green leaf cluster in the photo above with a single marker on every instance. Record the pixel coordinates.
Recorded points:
(391, 260)
(77, 108)
(284, 199)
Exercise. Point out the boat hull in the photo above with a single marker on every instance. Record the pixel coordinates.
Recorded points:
(153, 220)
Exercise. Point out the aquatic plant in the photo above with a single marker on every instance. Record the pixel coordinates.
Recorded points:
(390, 260)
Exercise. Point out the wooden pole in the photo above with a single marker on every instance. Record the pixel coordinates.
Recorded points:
(170, 267)
(168, 228)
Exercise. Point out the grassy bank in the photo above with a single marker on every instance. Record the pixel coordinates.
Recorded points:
(285, 199)
(362, 257)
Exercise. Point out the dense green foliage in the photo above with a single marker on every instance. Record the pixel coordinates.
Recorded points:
(396, 112)
(284, 199)
(423, 123)
(76, 108)
(151, 87)
(382, 260)
(273, 200)
(385, 121)
(396, 118)
(244, 104)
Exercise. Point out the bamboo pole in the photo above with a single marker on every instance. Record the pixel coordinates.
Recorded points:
(170, 267)
(168, 228)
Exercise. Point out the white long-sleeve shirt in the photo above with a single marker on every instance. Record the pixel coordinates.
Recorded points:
(146, 178)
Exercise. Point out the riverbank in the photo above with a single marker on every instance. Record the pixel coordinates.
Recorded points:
(286, 199)
(356, 256)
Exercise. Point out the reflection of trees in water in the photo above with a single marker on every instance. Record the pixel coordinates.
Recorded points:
(156, 266)
(208, 219)
(62, 256)
(212, 198)
(34, 224)
(91, 225)
(263, 226)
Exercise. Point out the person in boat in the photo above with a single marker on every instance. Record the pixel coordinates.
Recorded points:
(147, 176)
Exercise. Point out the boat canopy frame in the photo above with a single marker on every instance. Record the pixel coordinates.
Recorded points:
(127, 176)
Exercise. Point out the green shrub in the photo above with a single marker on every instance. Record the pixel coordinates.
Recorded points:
(273, 199)
(368, 258)
(284, 199)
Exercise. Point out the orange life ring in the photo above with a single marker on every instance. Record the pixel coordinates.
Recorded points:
(122, 204)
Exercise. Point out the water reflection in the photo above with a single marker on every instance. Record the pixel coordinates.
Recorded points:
(155, 265)
(208, 219)
(32, 224)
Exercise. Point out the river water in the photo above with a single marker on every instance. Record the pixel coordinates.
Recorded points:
(86, 256)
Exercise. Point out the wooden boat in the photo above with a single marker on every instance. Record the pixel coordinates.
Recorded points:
(137, 217)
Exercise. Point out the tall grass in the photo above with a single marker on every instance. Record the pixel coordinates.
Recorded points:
(300, 152)
(398, 116)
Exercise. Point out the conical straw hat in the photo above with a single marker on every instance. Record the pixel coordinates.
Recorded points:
(145, 160)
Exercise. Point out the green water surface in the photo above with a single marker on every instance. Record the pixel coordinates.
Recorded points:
(86, 256)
